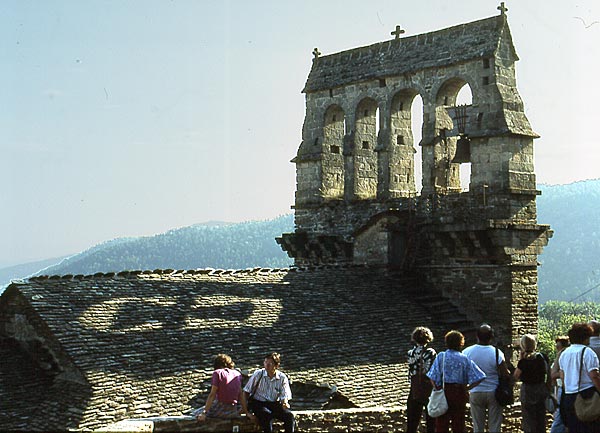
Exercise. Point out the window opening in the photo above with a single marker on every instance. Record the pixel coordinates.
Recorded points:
(464, 96)
(416, 115)
(465, 176)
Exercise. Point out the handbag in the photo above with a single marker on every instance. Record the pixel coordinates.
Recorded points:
(551, 403)
(586, 409)
(504, 391)
(438, 405)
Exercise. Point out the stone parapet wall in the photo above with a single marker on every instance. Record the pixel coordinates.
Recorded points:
(378, 419)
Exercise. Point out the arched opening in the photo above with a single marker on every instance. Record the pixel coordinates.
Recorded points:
(364, 164)
(452, 157)
(416, 110)
(406, 119)
(332, 184)
(465, 97)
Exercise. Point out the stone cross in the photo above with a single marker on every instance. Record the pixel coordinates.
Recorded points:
(316, 53)
(397, 32)
(502, 9)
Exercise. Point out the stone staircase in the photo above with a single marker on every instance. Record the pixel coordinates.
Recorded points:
(446, 315)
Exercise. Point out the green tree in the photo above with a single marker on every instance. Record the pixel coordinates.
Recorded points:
(557, 317)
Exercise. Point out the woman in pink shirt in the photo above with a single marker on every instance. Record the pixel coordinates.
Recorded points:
(226, 399)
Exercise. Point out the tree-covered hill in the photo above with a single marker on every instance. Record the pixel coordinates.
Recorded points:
(216, 245)
(571, 261)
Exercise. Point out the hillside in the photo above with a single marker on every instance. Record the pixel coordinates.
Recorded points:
(570, 263)
(22, 270)
(216, 245)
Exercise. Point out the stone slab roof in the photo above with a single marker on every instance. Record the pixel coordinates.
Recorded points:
(394, 57)
(144, 341)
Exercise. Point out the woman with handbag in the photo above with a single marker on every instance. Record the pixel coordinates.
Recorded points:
(532, 371)
(456, 374)
(420, 359)
(579, 371)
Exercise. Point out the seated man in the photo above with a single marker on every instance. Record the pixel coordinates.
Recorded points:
(268, 393)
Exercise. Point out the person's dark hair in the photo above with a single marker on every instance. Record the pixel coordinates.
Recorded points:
(579, 333)
(454, 340)
(485, 333)
(595, 327)
(223, 361)
(422, 335)
(563, 340)
(275, 357)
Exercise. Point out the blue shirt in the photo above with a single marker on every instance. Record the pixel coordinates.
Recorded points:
(457, 369)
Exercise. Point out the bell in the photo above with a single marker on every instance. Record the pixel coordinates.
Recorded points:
(463, 150)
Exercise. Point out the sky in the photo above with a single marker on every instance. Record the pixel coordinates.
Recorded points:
(132, 117)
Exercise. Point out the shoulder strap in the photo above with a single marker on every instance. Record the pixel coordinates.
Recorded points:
(497, 357)
(580, 368)
(443, 361)
(256, 383)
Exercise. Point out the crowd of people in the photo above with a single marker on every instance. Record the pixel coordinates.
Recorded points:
(474, 375)
(467, 375)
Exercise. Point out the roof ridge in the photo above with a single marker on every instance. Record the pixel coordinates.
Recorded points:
(206, 271)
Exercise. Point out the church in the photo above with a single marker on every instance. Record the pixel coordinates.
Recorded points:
(374, 257)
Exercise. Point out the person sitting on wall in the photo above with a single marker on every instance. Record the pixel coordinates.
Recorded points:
(226, 399)
(268, 393)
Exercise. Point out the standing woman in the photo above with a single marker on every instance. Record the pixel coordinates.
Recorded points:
(457, 374)
(533, 373)
(420, 359)
(578, 377)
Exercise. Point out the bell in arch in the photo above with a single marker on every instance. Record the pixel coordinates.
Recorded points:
(463, 150)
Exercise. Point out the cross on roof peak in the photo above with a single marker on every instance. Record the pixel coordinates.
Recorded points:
(397, 32)
(502, 8)
(316, 53)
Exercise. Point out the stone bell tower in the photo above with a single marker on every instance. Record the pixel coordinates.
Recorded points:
(356, 199)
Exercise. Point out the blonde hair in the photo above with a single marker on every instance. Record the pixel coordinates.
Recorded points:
(528, 345)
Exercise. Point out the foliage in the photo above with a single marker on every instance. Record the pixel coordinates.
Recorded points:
(556, 318)
(216, 245)
(570, 265)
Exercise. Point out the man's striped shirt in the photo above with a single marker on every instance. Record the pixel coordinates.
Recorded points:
(261, 387)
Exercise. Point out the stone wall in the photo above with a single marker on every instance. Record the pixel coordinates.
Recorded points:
(380, 420)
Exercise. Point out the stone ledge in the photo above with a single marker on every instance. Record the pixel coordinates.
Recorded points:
(353, 419)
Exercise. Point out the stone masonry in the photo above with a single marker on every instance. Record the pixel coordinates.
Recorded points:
(356, 196)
